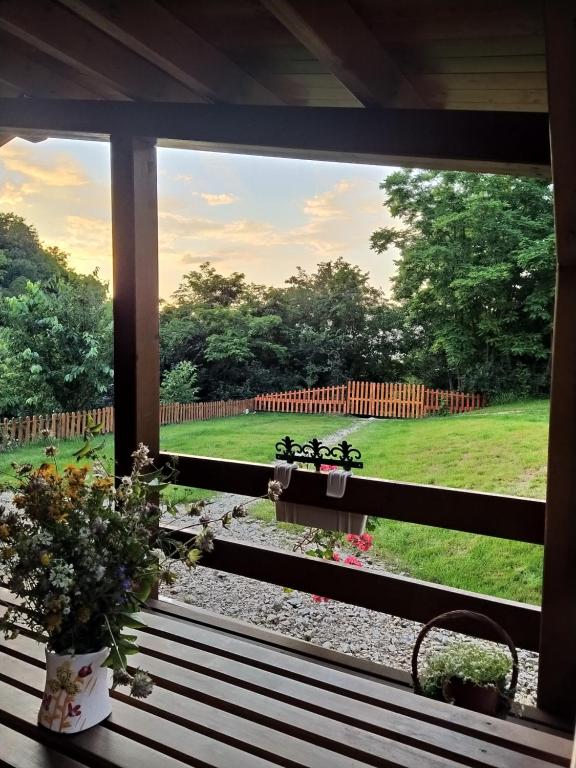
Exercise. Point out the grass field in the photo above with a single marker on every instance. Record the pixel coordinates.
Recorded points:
(500, 449)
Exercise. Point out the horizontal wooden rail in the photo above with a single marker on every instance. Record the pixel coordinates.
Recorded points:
(488, 514)
(387, 593)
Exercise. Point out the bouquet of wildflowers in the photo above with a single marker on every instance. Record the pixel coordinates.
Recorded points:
(81, 553)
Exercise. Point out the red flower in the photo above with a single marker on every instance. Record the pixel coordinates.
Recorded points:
(85, 671)
(362, 543)
(327, 467)
(336, 556)
(351, 560)
(74, 711)
(320, 599)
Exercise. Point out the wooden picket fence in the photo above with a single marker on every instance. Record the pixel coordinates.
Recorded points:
(175, 413)
(366, 398)
(65, 426)
(358, 398)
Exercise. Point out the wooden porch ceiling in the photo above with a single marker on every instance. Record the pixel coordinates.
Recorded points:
(486, 55)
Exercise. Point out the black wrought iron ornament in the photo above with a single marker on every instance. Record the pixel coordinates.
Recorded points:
(316, 453)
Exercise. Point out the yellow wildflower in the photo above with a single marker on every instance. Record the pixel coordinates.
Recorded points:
(45, 558)
(4, 531)
(83, 614)
(53, 622)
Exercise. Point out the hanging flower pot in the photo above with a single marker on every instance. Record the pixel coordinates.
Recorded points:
(76, 695)
(468, 674)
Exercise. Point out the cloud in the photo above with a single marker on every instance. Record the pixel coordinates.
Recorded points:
(61, 171)
(12, 194)
(324, 206)
(88, 240)
(224, 198)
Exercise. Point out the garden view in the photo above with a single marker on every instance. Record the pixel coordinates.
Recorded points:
(470, 309)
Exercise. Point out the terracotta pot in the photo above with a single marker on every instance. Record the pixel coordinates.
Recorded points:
(76, 695)
(486, 699)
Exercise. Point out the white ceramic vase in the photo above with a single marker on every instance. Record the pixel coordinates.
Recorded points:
(76, 695)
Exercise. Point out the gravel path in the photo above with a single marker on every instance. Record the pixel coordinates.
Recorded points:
(341, 627)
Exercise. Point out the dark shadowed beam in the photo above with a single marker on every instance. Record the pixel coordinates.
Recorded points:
(506, 142)
(54, 30)
(557, 675)
(148, 29)
(135, 297)
(5, 138)
(34, 73)
(334, 33)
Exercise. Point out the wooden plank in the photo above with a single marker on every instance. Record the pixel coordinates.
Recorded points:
(467, 140)
(341, 41)
(98, 747)
(19, 751)
(151, 31)
(135, 298)
(557, 669)
(396, 595)
(297, 697)
(488, 514)
(61, 34)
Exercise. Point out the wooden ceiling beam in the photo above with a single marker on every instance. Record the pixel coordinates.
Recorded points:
(151, 31)
(506, 142)
(30, 76)
(334, 33)
(56, 31)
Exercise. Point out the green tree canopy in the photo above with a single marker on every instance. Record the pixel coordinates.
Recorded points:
(475, 276)
(23, 258)
(56, 347)
(179, 384)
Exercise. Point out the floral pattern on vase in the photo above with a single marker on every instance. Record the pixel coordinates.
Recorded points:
(76, 695)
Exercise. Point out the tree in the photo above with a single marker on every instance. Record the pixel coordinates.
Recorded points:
(23, 258)
(179, 384)
(475, 277)
(56, 347)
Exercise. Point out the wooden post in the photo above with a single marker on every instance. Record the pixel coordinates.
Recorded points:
(135, 280)
(557, 669)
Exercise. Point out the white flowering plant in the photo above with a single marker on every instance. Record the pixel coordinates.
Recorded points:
(81, 551)
(467, 661)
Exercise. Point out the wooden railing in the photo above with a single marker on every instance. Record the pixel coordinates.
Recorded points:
(481, 513)
(365, 398)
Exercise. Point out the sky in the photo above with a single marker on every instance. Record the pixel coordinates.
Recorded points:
(261, 216)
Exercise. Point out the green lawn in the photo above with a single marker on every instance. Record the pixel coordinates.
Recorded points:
(500, 449)
(251, 438)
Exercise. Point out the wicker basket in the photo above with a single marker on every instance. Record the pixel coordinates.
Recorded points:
(494, 701)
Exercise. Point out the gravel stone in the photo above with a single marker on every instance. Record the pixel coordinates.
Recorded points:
(347, 628)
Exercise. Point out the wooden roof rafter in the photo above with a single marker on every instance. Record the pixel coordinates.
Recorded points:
(59, 33)
(335, 34)
(150, 30)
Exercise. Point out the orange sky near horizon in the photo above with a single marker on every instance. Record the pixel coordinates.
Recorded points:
(261, 216)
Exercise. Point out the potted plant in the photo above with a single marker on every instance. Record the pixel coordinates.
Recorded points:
(81, 551)
(468, 674)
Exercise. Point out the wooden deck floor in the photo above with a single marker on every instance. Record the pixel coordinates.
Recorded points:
(227, 696)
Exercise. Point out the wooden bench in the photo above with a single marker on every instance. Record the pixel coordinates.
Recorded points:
(232, 696)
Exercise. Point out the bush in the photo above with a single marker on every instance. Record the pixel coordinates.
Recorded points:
(179, 384)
